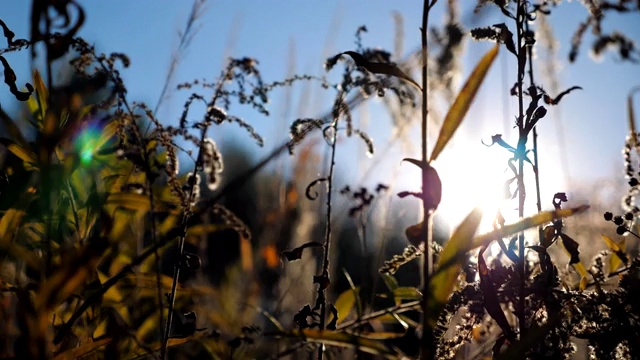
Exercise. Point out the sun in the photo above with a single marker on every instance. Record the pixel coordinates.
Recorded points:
(472, 175)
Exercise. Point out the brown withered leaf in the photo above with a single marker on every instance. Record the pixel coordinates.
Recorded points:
(491, 301)
(572, 248)
(296, 253)
(377, 67)
(554, 101)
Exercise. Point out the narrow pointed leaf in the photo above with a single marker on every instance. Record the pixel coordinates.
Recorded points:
(450, 264)
(632, 118)
(462, 103)
(526, 223)
(407, 293)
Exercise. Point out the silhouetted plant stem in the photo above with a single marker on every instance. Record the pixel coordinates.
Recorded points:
(327, 234)
(536, 173)
(426, 351)
(520, 19)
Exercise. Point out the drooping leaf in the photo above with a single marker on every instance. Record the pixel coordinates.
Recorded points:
(345, 303)
(10, 79)
(619, 256)
(433, 183)
(450, 264)
(462, 103)
(572, 248)
(491, 302)
(554, 101)
(296, 253)
(390, 281)
(345, 340)
(334, 317)
(377, 67)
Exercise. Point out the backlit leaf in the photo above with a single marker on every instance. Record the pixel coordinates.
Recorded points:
(407, 293)
(619, 256)
(345, 303)
(24, 153)
(526, 223)
(462, 103)
(450, 263)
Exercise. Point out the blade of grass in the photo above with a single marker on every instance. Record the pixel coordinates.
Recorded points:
(462, 103)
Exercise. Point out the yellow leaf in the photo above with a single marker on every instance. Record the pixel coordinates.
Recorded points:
(407, 293)
(462, 103)
(345, 303)
(24, 154)
(43, 95)
(148, 327)
(112, 295)
(450, 263)
(203, 229)
(583, 273)
(524, 224)
(345, 340)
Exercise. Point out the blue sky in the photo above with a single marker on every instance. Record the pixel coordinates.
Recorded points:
(594, 120)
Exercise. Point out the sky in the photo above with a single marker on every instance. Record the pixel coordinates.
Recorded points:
(302, 34)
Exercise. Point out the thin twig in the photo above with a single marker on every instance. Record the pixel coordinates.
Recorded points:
(327, 238)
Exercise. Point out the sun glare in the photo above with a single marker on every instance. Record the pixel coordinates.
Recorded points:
(472, 176)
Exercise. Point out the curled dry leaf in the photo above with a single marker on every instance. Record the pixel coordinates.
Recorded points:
(376, 67)
(296, 253)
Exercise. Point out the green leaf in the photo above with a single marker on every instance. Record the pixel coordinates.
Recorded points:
(345, 340)
(450, 264)
(345, 303)
(390, 281)
(462, 103)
